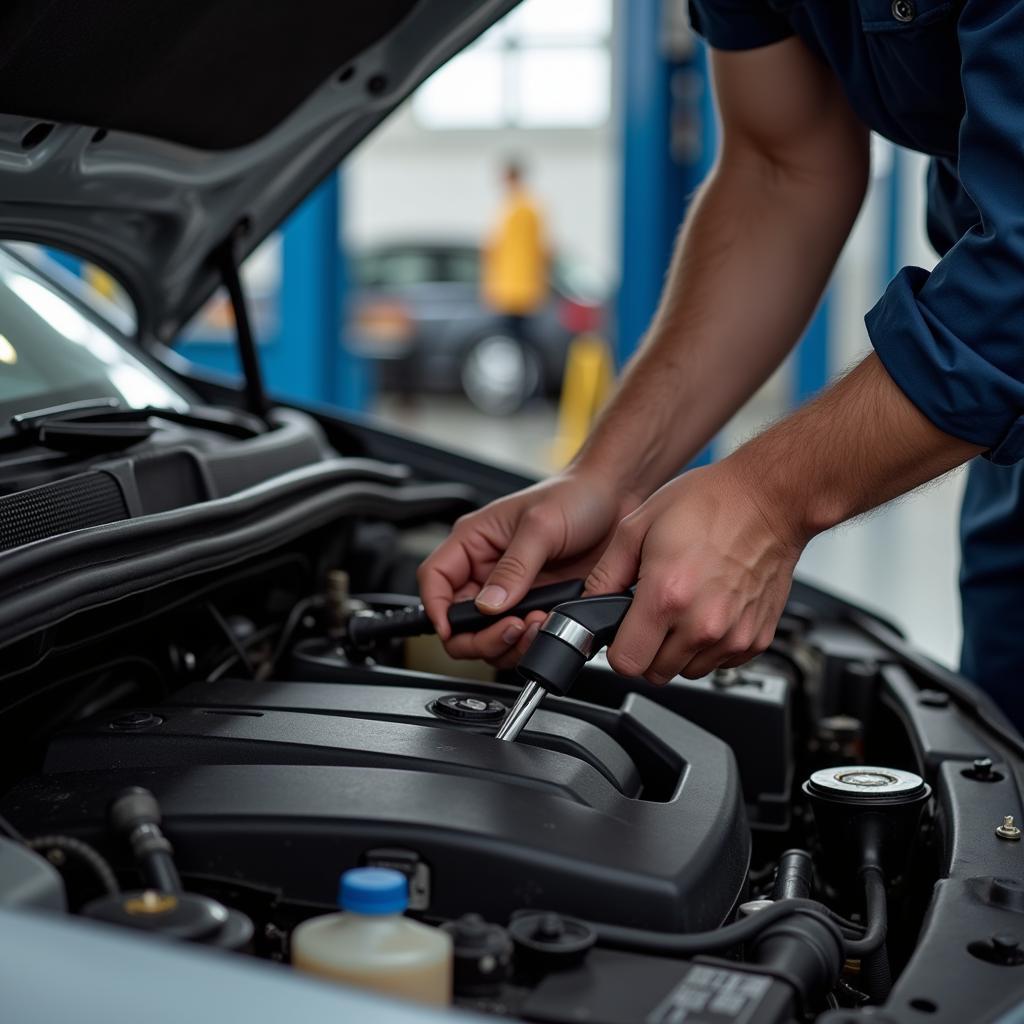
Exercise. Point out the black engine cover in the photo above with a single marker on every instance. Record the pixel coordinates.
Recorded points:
(633, 816)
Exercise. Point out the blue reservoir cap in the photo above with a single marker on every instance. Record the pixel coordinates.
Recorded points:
(373, 891)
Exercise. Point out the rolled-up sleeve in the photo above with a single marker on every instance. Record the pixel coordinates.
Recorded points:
(738, 24)
(953, 340)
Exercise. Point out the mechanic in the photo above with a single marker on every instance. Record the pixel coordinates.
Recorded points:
(799, 85)
(514, 281)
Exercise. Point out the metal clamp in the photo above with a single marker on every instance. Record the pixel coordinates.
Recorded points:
(569, 631)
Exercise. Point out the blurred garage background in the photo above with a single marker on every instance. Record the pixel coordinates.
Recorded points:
(370, 294)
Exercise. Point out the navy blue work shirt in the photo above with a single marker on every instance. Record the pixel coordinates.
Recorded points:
(945, 77)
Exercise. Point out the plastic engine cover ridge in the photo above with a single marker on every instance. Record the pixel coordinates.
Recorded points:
(284, 797)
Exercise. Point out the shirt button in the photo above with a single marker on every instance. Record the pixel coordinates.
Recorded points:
(903, 10)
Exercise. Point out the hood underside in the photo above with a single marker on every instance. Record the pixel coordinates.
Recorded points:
(142, 136)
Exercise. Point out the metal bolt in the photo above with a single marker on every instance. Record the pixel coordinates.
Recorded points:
(550, 928)
(904, 10)
(150, 902)
(1008, 830)
(726, 677)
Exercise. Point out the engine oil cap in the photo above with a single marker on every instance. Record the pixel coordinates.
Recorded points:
(135, 721)
(468, 709)
(866, 784)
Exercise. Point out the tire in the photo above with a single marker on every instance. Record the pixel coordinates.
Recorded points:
(499, 374)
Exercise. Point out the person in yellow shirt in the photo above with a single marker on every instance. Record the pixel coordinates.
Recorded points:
(515, 265)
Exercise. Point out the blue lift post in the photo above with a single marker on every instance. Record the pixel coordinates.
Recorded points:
(669, 141)
(305, 358)
(811, 359)
(312, 361)
(668, 137)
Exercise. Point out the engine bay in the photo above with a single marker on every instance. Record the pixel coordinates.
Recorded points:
(806, 837)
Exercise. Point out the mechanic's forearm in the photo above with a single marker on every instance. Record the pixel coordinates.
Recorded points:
(751, 263)
(858, 445)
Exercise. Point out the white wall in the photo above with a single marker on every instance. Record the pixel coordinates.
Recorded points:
(409, 182)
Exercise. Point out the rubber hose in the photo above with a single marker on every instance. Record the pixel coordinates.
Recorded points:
(695, 943)
(876, 913)
(85, 853)
(875, 975)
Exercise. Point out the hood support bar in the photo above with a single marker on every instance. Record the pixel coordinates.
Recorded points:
(227, 262)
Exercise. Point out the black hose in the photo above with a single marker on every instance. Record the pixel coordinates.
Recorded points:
(876, 914)
(694, 943)
(875, 975)
(161, 873)
(291, 624)
(794, 877)
(849, 929)
(85, 853)
(641, 941)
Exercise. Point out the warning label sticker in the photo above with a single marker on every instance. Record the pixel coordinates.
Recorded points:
(712, 995)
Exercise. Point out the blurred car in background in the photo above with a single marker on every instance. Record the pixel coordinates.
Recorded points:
(416, 312)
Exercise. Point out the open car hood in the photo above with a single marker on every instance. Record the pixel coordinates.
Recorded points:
(143, 136)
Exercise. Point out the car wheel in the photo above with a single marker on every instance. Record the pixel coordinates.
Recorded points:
(499, 373)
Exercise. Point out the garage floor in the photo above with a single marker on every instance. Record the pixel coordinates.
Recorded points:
(902, 560)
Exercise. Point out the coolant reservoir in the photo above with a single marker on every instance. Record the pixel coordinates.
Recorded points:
(371, 945)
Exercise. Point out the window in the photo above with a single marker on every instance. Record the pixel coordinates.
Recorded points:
(403, 268)
(397, 268)
(546, 65)
(54, 349)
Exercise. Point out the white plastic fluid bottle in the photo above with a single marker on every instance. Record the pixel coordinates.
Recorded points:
(371, 944)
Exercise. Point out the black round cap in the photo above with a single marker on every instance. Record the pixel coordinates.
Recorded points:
(181, 915)
(468, 709)
(546, 941)
(483, 955)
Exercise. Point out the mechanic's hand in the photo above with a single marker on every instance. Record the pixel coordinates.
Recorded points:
(714, 568)
(552, 531)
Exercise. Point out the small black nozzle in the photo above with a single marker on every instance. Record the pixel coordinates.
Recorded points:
(364, 629)
(135, 814)
(133, 807)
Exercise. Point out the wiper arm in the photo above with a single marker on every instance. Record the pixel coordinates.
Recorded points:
(70, 410)
(89, 427)
(94, 426)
